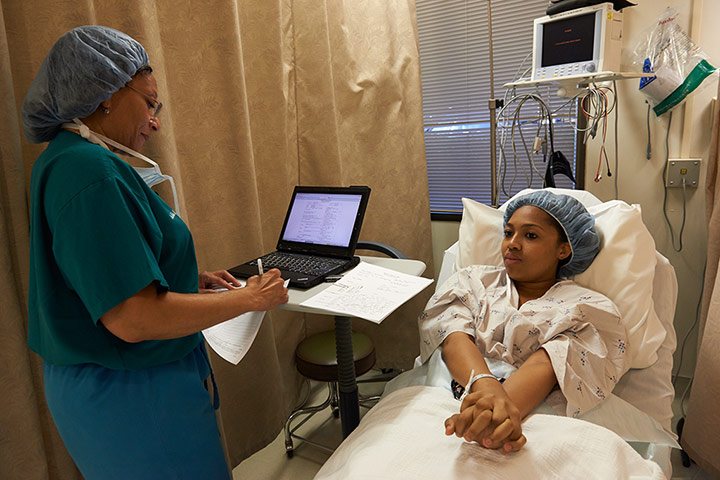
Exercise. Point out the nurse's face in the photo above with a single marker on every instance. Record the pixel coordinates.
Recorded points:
(132, 118)
(532, 246)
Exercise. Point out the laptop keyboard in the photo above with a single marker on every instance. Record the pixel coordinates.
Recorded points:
(303, 264)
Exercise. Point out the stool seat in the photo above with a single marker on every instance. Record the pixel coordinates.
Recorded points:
(316, 359)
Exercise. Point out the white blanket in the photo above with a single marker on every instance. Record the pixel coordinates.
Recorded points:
(403, 437)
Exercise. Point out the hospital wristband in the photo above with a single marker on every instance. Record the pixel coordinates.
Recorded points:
(478, 377)
(473, 379)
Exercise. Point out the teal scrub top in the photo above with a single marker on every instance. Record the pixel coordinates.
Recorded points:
(99, 235)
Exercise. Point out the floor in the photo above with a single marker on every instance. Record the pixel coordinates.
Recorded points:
(271, 463)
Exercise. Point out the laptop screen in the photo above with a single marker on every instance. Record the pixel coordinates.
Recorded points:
(322, 218)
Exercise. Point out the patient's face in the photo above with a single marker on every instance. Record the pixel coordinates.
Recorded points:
(532, 246)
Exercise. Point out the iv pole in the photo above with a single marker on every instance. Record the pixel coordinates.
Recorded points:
(492, 105)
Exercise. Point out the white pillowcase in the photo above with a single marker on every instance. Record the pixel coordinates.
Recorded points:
(623, 270)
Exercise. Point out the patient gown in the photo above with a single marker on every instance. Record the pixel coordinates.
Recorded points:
(580, 329)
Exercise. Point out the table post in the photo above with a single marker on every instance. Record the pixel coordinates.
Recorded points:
(349, 408)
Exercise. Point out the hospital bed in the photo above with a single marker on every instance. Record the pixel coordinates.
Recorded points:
(628, 435)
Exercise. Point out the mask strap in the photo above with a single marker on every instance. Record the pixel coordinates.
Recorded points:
(86, 133)
(96, 138)
(174, 192)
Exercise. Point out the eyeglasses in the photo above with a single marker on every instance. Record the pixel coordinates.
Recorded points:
(153, 105)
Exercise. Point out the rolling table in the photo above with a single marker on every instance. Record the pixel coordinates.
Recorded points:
(347, 385)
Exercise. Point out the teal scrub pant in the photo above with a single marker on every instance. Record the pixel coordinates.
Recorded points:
(155, 423)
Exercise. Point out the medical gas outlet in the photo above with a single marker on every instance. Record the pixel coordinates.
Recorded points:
(683, 173)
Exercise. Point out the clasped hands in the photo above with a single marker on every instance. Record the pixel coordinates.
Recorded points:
(488, 416)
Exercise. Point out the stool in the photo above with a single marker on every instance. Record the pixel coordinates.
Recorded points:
(315, 358)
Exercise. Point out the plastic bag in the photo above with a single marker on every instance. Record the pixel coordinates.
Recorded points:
(678, 64)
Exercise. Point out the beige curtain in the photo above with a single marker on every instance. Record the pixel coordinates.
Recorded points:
(260, 96)
(701, 433)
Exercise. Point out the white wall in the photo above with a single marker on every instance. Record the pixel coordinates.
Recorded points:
(639, 179)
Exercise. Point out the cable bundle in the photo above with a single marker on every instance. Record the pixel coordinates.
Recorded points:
(594, 102)
(595, 106)
(509, 122)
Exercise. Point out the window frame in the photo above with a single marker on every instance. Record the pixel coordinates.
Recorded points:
(442, 212)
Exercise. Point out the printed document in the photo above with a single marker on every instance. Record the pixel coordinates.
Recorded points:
(368, 292)
(232, 338)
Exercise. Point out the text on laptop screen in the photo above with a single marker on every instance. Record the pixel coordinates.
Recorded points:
(321, 218)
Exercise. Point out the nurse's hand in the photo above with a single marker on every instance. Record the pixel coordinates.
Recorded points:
(221, 278)
(267, 290)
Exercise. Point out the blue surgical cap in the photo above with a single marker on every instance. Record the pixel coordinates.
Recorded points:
(83, 69)
(578, 224)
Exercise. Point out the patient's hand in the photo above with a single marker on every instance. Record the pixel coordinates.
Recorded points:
(489, 417)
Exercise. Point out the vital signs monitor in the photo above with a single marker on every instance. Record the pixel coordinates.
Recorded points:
(577, 43)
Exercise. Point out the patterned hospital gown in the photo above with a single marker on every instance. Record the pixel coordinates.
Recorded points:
(580, 329)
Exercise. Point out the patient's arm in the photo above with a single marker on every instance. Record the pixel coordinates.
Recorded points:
(487, 415)
(531, 383)
(462, 357)
(526, 389)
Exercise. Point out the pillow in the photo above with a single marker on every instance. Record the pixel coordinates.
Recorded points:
(479, 235)
(623, 270)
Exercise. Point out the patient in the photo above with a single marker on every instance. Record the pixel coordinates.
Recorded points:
(553, 330)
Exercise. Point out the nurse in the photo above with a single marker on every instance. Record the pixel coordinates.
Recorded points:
(114, 308)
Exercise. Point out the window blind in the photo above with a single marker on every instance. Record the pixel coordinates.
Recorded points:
(455, 69)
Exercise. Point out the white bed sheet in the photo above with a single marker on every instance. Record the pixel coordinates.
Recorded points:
(403, 437)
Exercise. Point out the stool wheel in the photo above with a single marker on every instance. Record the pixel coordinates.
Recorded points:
(683, 454)
(289, 451)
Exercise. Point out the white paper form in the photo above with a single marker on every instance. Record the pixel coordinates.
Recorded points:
(232, 338)
(368, 292)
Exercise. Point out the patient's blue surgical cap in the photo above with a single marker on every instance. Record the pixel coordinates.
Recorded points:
(83, 69)
(578, 224)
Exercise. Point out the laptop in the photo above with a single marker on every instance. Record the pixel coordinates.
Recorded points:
(318, 238)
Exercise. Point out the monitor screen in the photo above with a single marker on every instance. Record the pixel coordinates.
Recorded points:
(322, 218)
(568, 40)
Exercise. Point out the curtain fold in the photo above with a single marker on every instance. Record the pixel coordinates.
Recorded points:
(30, 445)
(360, 123)
(259, 96)
(701, 432)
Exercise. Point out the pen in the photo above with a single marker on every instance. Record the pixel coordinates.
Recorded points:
(260, 269)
